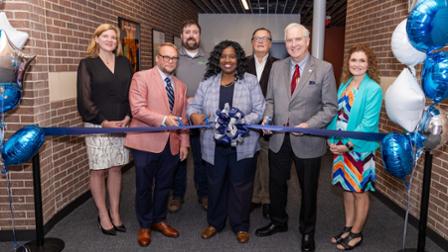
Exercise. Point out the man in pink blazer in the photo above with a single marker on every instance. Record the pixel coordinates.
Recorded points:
(157, 98)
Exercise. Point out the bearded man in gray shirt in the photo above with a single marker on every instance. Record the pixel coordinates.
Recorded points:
(191, 68)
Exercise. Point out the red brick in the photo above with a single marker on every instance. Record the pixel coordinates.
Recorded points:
(60, 31)
(372, 22)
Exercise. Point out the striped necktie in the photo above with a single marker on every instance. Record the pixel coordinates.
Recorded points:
(169, 92)
(295, 78)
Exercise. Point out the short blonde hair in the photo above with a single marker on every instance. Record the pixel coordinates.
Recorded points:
(93, 48)
(305, 31)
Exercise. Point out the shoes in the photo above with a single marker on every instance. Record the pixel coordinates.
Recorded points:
(254, 205)
(165, 229)
(174, 204)
(208, 232)
(242, 236)
(271, 229)
(308, 244)
(144, 237)
(339, 237)
(345, 243)
(106, 231)
(204, 202)
(265, 210)
(119, 228)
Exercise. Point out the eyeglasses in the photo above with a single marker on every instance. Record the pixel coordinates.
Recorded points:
(168, 58)
(261, 39)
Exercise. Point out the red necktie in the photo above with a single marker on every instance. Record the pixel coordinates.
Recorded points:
(295, 77)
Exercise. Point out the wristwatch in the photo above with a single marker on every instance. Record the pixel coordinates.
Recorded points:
(349, 146)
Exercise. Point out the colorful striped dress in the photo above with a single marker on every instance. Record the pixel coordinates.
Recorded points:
(353, 171)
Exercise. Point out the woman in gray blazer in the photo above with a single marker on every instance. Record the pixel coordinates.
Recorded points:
(230, 170)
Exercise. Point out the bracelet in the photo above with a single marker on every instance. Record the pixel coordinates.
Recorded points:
(349, 147)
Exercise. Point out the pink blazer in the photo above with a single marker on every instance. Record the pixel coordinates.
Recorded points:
(149, 104)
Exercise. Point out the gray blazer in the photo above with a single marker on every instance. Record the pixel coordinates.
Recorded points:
(247, 97)
(314, 101)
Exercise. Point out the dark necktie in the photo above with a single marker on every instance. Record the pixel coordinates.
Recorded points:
(295, 77)
(170, 92)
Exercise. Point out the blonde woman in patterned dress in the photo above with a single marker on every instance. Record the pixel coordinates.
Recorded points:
(359, 103)
(103, 85)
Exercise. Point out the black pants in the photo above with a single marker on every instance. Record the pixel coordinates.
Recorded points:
(154, 176)
(308, 174)
(200, 176)
(230, 184)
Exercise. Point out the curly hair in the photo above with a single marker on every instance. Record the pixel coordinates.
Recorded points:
(372, 70)
(213, 61)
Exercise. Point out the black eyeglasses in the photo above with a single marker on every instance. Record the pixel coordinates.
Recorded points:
(168, 58)
(261, 39)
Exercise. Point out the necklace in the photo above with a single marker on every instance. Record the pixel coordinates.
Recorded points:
(228, 84)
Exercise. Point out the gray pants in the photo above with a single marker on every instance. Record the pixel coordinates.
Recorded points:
(261, 181)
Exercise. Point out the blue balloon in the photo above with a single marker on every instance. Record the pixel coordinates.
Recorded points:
(427, 27)
(23, 145)
(10, 95)
(398, 158)
(435, 76)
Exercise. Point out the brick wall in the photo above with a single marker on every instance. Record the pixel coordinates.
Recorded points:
(59, 33)
(372, 22)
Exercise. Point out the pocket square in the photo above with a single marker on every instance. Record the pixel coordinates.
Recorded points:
(312, 82)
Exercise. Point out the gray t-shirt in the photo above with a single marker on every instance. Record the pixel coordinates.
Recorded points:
(191, 70)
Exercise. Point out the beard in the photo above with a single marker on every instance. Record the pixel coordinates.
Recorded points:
(191, 44)
(165, 70)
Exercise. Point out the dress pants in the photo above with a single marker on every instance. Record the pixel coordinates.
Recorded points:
(230, 184)
(308, 175)
(154, 177)
(200, 175)
(261, 181)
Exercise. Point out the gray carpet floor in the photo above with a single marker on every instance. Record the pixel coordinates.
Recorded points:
(383, 231)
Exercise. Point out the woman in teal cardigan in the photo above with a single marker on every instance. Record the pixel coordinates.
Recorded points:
(359, 106)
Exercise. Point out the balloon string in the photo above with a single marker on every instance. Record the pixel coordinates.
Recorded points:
(2, 134)
(417, 152)
(16, 245)
(408, 200)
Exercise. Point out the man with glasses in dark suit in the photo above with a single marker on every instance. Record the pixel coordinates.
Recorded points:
(259, 64)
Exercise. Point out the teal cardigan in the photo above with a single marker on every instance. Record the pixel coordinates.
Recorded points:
(364, 114)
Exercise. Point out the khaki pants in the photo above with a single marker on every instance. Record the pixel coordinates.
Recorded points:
(261, 181)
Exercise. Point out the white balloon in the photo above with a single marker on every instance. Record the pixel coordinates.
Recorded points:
(402, 48)
(405, 101)
(17, 38)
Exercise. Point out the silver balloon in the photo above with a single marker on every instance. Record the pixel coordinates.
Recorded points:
(434, 126)
(13, 62)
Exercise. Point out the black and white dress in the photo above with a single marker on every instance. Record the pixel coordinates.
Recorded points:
(103, 95)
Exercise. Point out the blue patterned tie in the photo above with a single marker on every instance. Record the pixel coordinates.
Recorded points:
(170, 92)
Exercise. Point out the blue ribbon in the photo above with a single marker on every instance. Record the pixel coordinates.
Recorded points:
(55, 131)
(322, 132)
